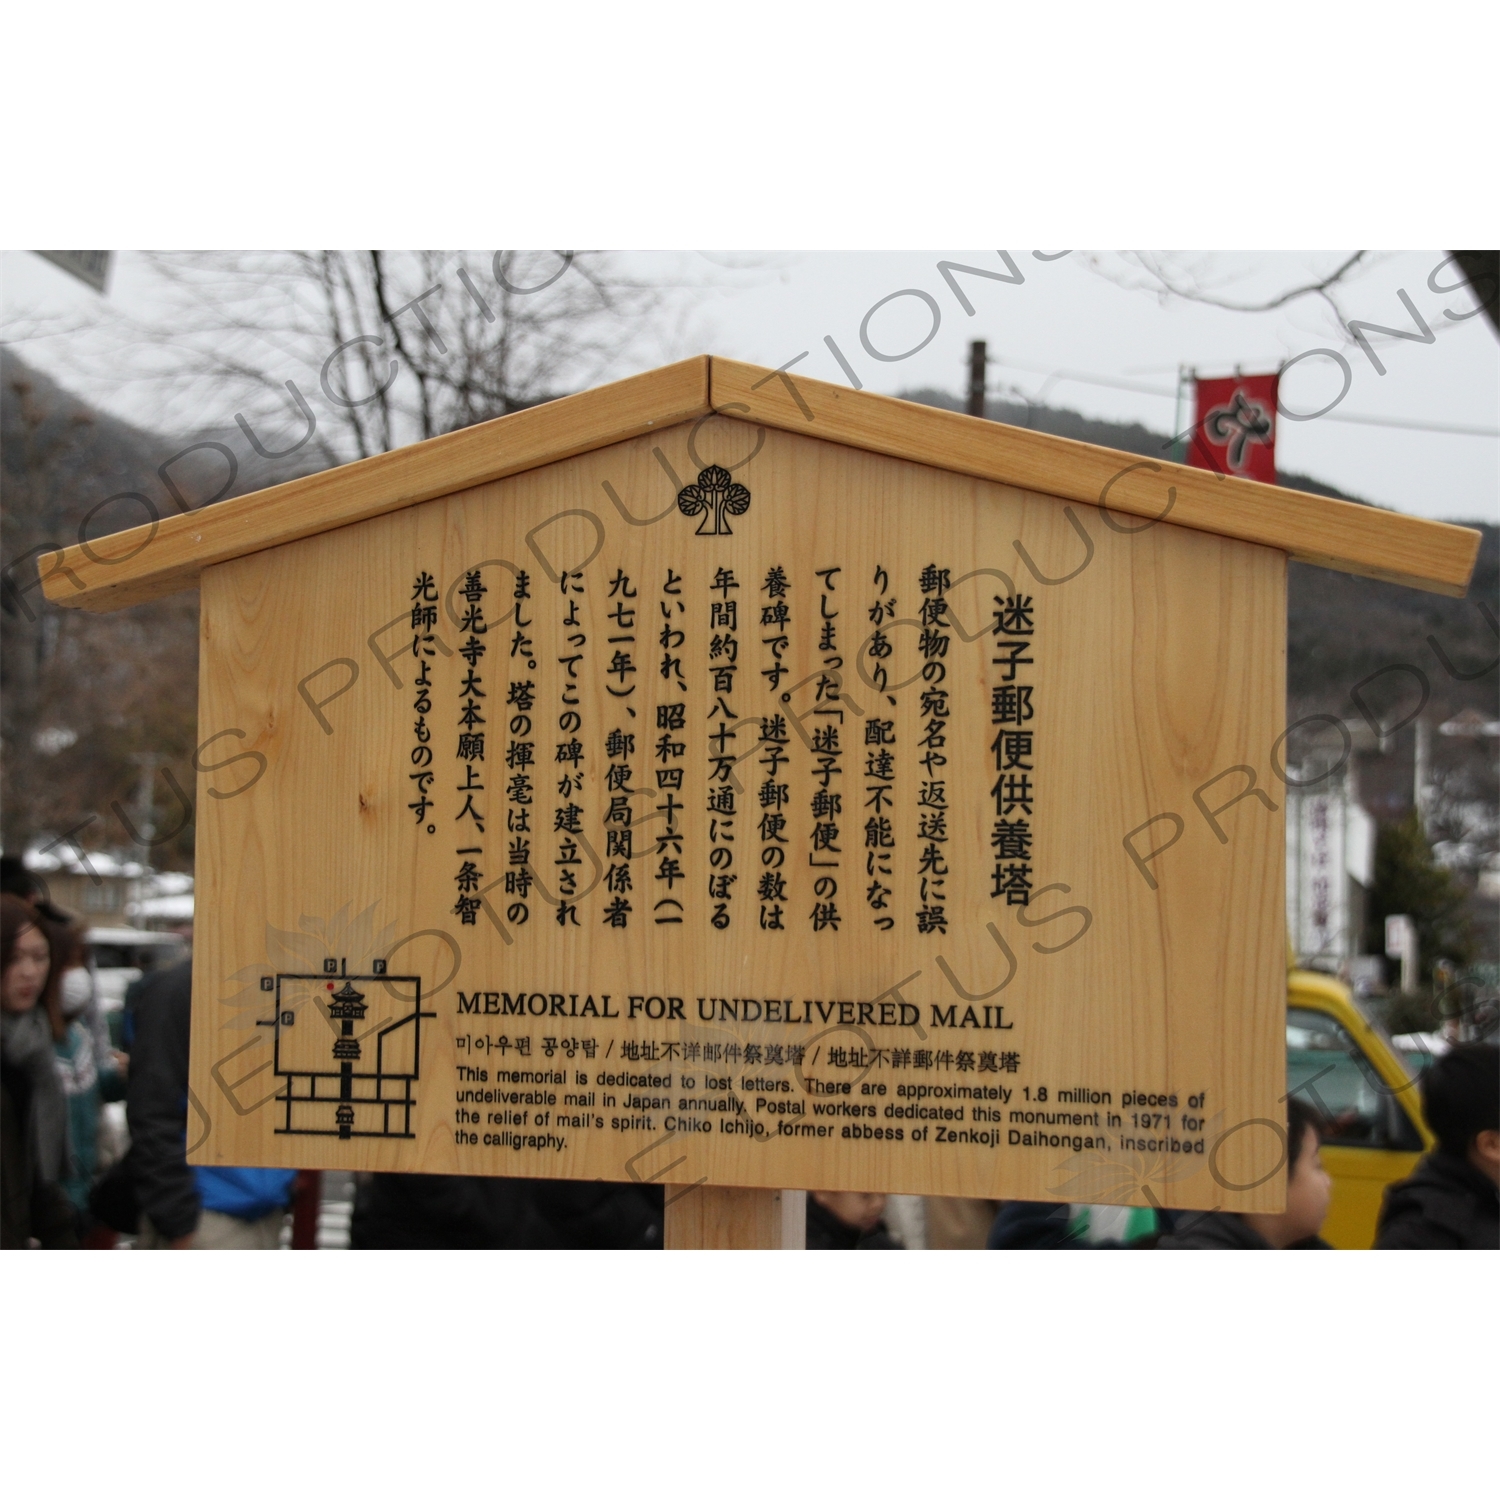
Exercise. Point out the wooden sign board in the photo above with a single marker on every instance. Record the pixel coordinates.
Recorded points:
(728, 805)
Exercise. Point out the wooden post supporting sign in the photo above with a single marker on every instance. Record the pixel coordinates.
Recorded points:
(714, 1218)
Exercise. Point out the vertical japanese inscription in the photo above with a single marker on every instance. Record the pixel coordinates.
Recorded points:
(723, 664)
(932, 790)
(774, 794)
(827, 799)
(880, 762)
(619, 748)
(424, 602)
(1012, 708)
(470, 752)
(671, 721)
(520, 761)
(567, 818)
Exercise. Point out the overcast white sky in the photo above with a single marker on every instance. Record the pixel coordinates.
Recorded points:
(1085, 314)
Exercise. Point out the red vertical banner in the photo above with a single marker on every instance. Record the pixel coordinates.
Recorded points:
(1234, 427)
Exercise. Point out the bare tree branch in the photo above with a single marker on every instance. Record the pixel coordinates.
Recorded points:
(1166, 279)
(378, 367)
(1174, 283)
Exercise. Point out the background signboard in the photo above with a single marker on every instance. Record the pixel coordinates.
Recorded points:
(730, 806)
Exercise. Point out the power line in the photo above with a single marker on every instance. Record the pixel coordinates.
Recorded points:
(1451, 428)
(1335, 416)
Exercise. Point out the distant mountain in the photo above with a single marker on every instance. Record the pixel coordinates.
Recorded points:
(83, 697)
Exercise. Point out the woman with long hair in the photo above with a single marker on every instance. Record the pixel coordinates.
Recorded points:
(34, 1210)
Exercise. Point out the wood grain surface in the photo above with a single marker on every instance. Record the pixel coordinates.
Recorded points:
(1158, 675)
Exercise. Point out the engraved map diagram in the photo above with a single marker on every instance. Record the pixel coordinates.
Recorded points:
(347, 1051)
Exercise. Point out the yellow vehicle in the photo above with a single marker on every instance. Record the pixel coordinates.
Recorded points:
(1346, 1069)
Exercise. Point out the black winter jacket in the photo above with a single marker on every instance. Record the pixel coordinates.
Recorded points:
(414, 1211)
(1025, 1225)
(1212, 1231)
(156, 1102)
(1446, 1204)
(1224, 1231)
(32, 1209)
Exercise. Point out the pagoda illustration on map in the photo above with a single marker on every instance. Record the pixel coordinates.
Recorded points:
(347, 1048)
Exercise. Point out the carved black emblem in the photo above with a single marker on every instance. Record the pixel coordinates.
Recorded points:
(716, 496)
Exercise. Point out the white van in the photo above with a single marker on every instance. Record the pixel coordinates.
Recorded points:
(120, 955)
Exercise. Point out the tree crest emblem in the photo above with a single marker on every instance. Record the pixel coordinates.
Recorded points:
(716, 496)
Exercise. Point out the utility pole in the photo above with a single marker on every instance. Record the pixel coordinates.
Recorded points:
(1420, 770)
(1179, 448)
(145, 798)
(977, 363)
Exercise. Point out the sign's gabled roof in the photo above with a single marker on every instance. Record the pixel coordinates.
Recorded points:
(150, 561)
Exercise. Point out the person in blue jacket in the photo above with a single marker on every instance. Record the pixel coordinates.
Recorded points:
(183, 1207)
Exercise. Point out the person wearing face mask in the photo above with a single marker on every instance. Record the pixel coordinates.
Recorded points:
(79, 996)
(34, 1147)
(90, 1073)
